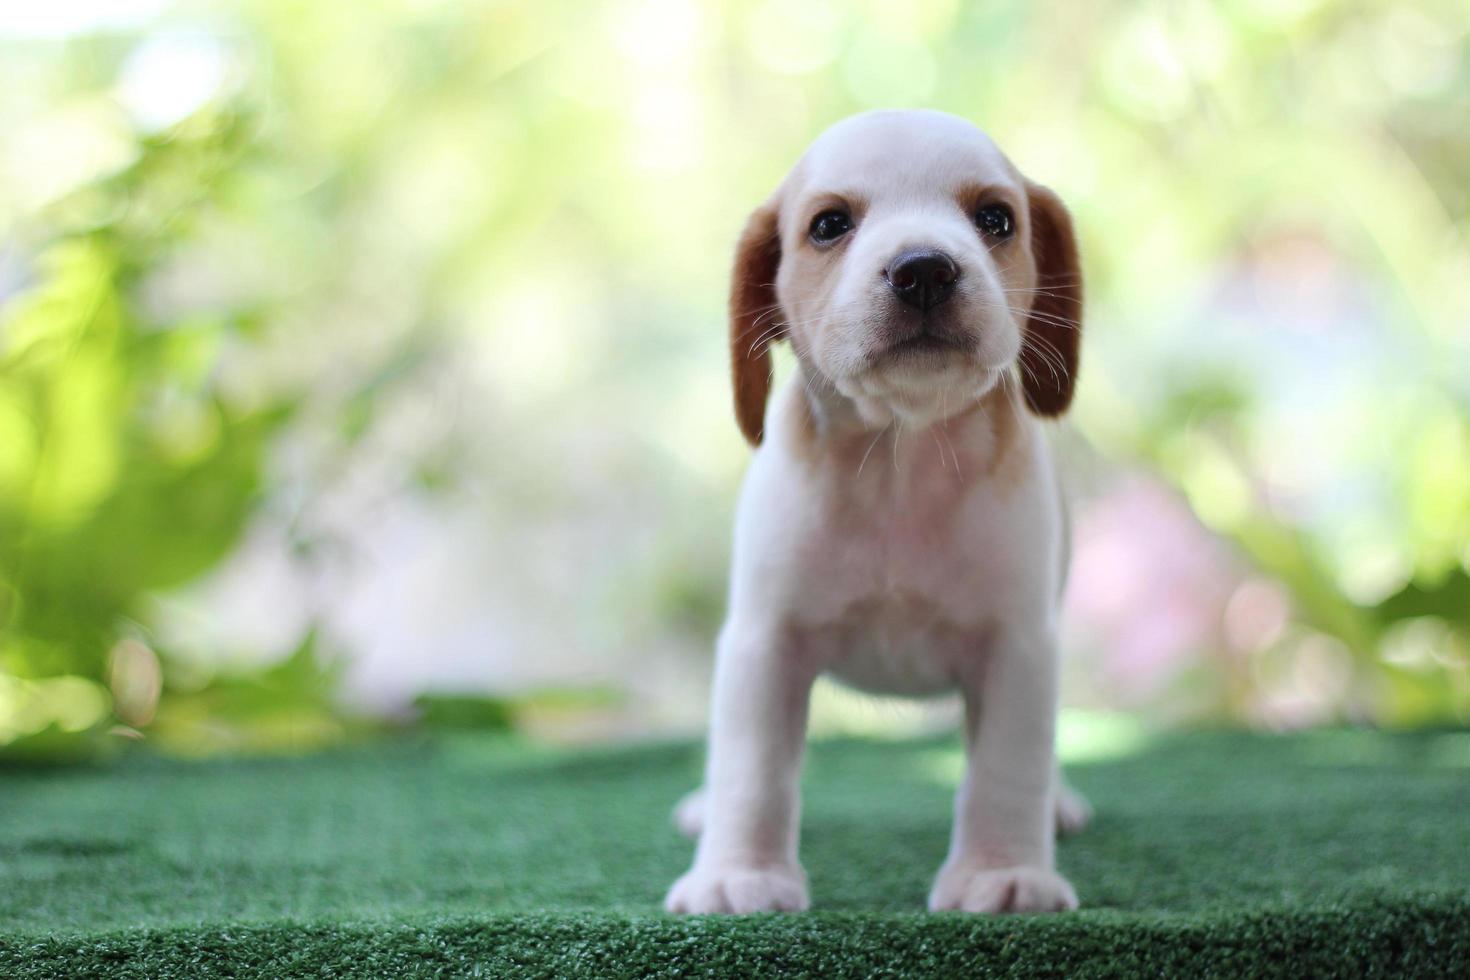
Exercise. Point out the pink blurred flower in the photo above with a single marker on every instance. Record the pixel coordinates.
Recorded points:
(1147, 590)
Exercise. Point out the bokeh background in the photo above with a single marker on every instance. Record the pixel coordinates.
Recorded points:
(362, 364)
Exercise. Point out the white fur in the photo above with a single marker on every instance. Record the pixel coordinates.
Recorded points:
(901, 529)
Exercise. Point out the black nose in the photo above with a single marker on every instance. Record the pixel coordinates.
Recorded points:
(923, 277)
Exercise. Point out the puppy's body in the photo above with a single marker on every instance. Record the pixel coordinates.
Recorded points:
(892, 569)
(900, 526)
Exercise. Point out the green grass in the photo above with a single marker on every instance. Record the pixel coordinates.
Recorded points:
(1228, 854)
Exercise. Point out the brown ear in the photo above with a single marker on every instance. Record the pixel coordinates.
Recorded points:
(755, 319)
(1053, 333)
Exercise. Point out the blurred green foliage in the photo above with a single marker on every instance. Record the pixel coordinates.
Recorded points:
(234, 230)
(123, 468)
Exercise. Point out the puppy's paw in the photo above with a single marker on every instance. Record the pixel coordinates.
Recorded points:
(738, 891)
(689, 813)
(999, 890)
(1074, 813)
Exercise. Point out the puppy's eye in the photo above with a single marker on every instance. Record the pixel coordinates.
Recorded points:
(996, 221)
(830, 226)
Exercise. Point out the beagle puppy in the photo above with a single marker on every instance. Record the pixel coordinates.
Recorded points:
(900, 527)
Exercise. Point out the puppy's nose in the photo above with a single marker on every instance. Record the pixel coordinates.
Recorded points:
(923, 277)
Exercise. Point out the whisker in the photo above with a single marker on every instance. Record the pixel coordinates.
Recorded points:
(943, 460)
(1037, 291)
(1048, 352)
(870, 448)
(770, 335)
(897, 435)
(1052, 358)
(1064, 323)
(1051, 320)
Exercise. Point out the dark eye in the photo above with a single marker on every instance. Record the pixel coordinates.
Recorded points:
(996, 221)
(830, 226)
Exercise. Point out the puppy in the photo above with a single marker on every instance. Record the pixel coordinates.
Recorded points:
(900, 527)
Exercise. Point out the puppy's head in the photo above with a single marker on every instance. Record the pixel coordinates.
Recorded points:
(911, 267)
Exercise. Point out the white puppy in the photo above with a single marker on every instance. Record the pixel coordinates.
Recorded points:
(900, 527)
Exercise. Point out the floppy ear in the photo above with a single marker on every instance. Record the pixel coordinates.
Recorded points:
(1053, 332)
(755, 319)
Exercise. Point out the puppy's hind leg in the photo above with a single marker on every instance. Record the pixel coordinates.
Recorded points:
(689, 814)
(1073, 811)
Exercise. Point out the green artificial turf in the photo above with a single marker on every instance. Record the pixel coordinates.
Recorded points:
(1326, 853)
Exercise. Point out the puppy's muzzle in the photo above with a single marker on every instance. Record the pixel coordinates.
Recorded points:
(922, 278)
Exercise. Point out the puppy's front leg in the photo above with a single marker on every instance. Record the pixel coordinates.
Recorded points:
(1000, 854)
(746, 859)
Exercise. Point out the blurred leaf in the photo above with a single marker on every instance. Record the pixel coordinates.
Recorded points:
(289, 706)
(1448, 599)
(464, 711)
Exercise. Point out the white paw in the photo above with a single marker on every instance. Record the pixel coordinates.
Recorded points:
(1074, 813)
(738, 891)
(997, 890)
(689, 813)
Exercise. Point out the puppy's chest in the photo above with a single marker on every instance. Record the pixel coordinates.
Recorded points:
(932, 541)
(899, 643)
(904, 595)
